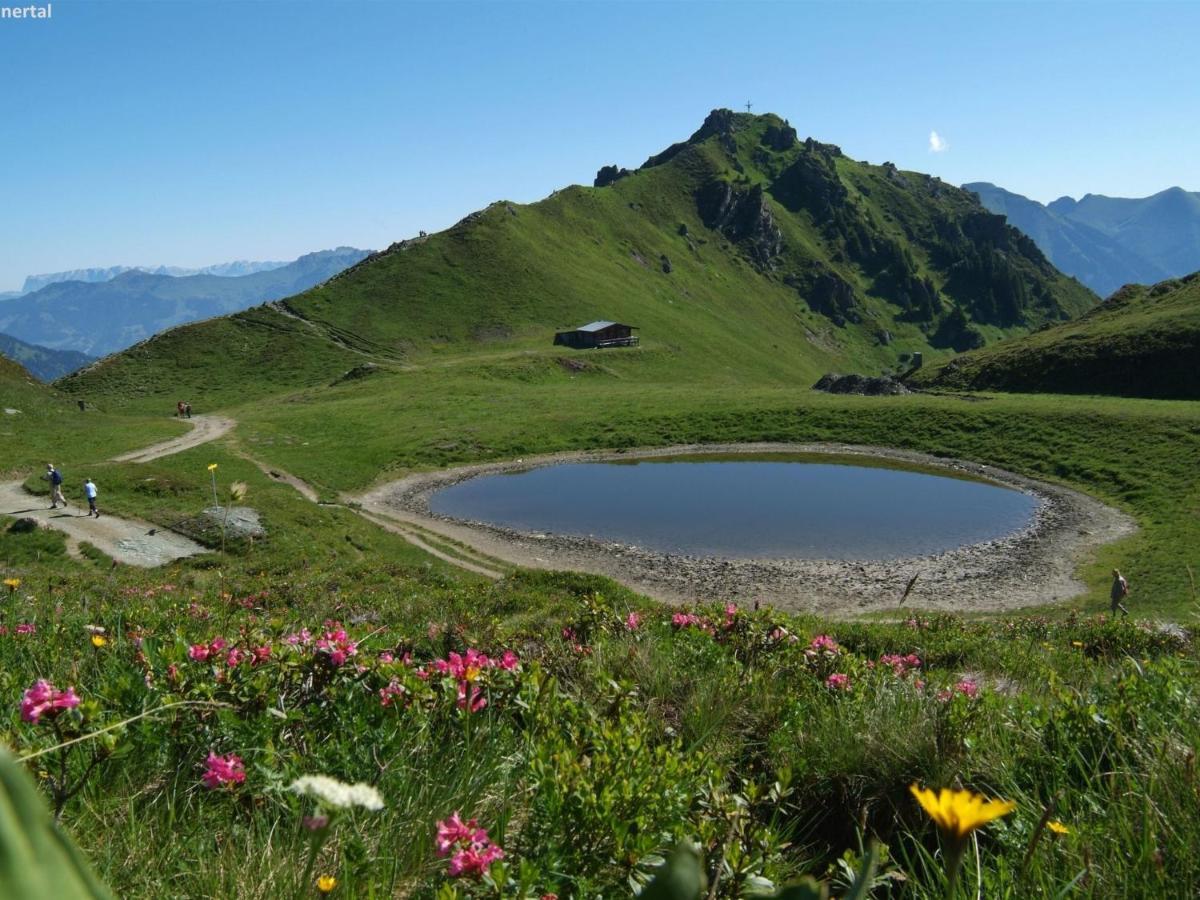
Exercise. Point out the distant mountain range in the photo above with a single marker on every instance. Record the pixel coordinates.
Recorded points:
(1107, 242)
(42, 362)
(225, 270)
(98, 318)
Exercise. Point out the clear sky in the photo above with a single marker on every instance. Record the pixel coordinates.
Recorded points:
(189, 133)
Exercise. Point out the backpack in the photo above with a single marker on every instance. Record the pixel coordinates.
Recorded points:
(56, 477)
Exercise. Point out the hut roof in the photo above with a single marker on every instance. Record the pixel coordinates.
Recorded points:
(598, 326)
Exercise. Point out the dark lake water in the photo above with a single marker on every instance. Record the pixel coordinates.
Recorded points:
(739, 508)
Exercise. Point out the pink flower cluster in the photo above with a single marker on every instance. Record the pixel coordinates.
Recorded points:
(470, 849)
(394, 693)
(25, 628)
(337, 645)
(901, 665)
(204, 652)
(779, 634)
(683, 621)
(234, 658)
(966, 687)
(823, 643)
(633, 621)
(44, 699)
(301, 638)
(838, 682)
(223, 770)
(466, 669)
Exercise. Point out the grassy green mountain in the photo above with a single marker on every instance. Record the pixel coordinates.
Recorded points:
(1141, 342)
(42, 362)
(742, 250)
(100, 318)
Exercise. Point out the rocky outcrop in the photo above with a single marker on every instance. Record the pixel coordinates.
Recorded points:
(780, 137)
(609, 175)
(810, 183)
(743, 216)
(860, 384)
(827, 293)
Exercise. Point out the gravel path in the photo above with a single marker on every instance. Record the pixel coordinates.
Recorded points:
(129, 541)
(204, 429)
(1033, 566)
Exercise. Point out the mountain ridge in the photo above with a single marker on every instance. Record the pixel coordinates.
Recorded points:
(99, 274)
(742, 249)
(98, 318)
(43, 363)
(1108, 242)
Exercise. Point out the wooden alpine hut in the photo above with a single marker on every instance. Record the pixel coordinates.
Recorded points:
(598, 334)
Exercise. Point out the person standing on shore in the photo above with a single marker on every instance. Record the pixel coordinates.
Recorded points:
(1120, 590)
(55, 478)
(89, 490)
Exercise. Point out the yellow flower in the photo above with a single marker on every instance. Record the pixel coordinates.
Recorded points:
(99, 640)
(958, 813)
(326, 883)
(212, 467)
(12, 583)
(1076, 643)
(1058, 827)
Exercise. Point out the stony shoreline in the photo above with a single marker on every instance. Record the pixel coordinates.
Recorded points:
(1033, 566)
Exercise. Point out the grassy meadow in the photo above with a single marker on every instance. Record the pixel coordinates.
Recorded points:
(586, 730)
(783, 745)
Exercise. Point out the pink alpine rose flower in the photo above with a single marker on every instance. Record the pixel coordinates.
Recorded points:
(223, 770)
(44, 699)
(838, 682)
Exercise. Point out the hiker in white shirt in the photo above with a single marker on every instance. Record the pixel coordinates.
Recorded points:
(89, 489)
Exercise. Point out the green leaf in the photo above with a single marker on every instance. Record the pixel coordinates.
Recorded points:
(680, 877)
(37, 861)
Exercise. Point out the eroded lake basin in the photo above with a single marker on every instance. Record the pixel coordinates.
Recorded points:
(738, 507)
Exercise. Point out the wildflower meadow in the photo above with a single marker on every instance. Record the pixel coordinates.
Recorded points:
(205, 732)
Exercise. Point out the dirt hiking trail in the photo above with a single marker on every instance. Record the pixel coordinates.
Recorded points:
(129, 541)
(204, 429)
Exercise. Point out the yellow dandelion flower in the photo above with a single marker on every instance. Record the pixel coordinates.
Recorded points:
(958, 813)
(1076, 643)
(12, 583)
(99, 640)
(212, 467)
(326, 883)
(1058, 827)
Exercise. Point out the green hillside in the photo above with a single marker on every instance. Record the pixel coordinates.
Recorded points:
(1141, 342)
(742, 250)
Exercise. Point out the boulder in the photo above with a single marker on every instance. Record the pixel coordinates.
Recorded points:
(880, 386)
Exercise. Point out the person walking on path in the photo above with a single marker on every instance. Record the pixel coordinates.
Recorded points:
(179, 409)
(187, 410)
(89, 490)
(55, 478)
(1120, 590)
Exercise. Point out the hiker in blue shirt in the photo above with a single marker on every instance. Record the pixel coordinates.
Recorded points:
(55, 478)
(89, 489)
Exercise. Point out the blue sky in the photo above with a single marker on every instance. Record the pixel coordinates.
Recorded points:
(190, 133)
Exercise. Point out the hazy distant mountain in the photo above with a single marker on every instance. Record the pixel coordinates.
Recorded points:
(93, 276)
(42, 362)
(98, 318)
(1107, 242)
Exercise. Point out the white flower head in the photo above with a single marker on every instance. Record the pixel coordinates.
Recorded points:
(337, 794)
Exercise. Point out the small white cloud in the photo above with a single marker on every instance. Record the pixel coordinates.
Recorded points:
(937, 143)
